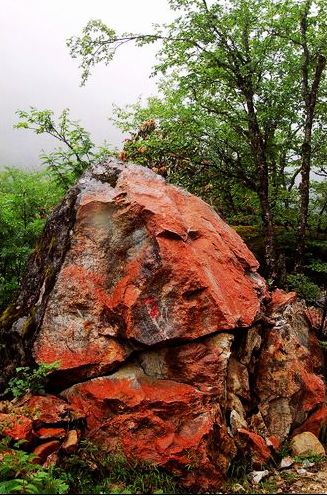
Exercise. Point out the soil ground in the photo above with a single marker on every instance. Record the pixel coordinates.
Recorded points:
(302, 478)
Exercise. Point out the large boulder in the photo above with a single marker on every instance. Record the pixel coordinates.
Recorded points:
(167, 339)
(148, 264)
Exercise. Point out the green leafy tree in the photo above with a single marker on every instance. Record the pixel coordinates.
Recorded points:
(27, 198)
(305, 29)
(69, 161)
(256, 70)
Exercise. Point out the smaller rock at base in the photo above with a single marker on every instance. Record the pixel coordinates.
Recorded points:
(51, 433)
(17, 427)
(302, 471)
(51, 460)
(257, 446)
(71, 442)
(286, 462)
(257, 476)
(306, 444)
(44, 450)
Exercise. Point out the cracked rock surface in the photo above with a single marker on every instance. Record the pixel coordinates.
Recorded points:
(168, 340)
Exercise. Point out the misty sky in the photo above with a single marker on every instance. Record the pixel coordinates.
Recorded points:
(36, 69)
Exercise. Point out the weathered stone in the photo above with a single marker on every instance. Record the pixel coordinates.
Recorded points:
(280, 299)
(286, 383)
(237, 422)
(238, 389)
(251, 346)
(257, 424)
(155, 310)
(71, 442)
(51, 433)
(316, 319)
(287, 462)
(17, 427)
(255, 444)
(258, 475)
(201, 364)
(50, 409)
(157, 420)
(306, 444)
(315, 423)
(148, 263)
(44, 450)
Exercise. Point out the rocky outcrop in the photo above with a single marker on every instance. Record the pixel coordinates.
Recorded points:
(168, 341)
(44, 425)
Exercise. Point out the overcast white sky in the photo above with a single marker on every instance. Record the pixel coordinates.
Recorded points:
(36, 69)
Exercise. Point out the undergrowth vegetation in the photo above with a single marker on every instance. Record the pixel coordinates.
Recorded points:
(26, 200)
(88, 471)
(30, 380)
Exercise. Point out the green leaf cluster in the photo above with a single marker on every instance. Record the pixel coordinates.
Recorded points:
(77, 150)
(31, 380)
(304, 286)
(20, 474)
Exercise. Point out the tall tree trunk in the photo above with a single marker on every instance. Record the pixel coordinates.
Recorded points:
(309, 94)
(259, 152)
(304, 200)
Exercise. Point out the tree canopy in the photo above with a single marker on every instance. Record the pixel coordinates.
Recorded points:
(247, 79)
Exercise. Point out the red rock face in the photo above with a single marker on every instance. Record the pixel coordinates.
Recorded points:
(157, 316)
(148, 264)
(167, 408)
(17, 427)
(288, 385)
(316, 423)
(49, 409)
(260, 453)
(169, 423)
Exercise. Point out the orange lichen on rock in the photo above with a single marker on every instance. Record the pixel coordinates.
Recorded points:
(17, 427)
(155, 420)
(316, 423)
(148, 263)
(258, 447)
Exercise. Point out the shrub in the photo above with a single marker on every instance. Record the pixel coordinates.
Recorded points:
(30, 380)
(19, 474)
(305, 288)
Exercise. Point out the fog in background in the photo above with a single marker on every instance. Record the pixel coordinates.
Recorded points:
(37, 70)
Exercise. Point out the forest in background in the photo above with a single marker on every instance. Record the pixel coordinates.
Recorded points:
(240, 120)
